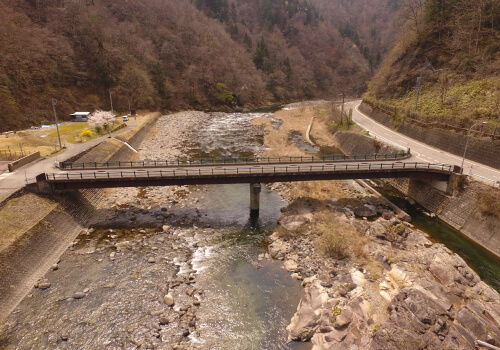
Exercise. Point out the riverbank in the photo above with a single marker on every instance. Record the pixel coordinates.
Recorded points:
(167, 267)
(378, 283)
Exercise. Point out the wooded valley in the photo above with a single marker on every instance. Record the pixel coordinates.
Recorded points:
(169, 55)
(181, 54)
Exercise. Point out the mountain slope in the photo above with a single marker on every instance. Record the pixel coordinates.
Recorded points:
(171, 55)
(448, 52)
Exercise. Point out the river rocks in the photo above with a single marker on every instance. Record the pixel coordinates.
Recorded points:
(388, 215)
(278, 249)
(151, 260)
(425, 297)
(44, 285)
(364, 211)
(169, 300)
(290, 265)
(79, 295)
(292, 223)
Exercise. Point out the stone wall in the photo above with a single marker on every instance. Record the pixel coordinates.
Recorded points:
(484, 150)
(460, 211)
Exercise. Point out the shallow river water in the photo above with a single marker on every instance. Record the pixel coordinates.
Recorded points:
(107, 291)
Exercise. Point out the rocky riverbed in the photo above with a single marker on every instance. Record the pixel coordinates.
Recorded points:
(402, 292)
(165, 268)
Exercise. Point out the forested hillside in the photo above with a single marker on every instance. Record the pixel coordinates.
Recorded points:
(182, 54)
(449, 53)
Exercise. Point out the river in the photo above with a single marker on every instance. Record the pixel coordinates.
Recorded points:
(197, 244)
(107, 290)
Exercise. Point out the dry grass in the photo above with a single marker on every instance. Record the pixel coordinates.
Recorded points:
(489, 203)
(21, 214)
(337, 238)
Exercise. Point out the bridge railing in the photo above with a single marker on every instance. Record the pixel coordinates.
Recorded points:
(243, 170)
(237, 160)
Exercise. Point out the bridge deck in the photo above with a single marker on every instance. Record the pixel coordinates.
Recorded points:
(259, 173)
(188, 162)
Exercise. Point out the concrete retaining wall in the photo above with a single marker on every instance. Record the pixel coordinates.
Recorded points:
(354, 143)
(32, 255)
(460, 211)
(484, 150)
(125, 153)
(23, 161)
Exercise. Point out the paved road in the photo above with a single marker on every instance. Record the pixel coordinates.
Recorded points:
(11, 182)
(423, 151)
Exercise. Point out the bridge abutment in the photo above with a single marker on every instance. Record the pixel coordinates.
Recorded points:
(255, 189)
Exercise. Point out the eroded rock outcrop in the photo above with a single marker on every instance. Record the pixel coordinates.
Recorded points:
(426, 297)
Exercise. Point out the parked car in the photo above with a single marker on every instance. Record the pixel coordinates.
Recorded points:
(125, 118)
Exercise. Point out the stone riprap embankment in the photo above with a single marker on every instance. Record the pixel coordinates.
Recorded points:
(422, 297)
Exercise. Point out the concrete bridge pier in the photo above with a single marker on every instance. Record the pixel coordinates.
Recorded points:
(255, 198)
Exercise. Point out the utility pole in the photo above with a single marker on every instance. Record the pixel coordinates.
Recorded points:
(342, 111)
(419, 80)
(111, 99)
(54, 101)
(467, 143)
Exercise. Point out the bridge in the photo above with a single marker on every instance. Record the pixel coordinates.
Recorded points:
(253, 171)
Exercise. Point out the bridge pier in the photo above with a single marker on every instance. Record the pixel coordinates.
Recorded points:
(255, 198)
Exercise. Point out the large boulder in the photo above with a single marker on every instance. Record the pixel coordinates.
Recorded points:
(364, 211)
(278, 249)
(292, 223)
(305, 321)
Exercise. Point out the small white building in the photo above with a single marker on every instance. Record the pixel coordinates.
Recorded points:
(79, 116)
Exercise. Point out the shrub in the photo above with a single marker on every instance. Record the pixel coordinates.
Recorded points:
(489, 204)
(86, 133)
(334, 245)
(460, 183)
